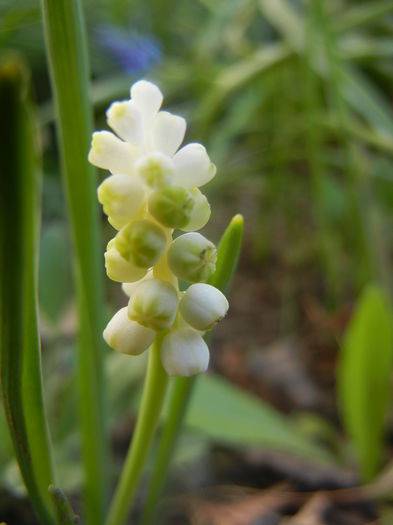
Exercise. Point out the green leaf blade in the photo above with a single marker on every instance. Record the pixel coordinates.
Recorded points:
(364, 372)
(66, 49)
(230, 415)
(20, 359)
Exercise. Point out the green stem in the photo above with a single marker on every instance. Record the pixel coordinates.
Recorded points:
(179, 400)
(358, 216)
(152, 399)
(315, 141)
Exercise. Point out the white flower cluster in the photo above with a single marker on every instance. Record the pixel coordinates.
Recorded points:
(152, 190)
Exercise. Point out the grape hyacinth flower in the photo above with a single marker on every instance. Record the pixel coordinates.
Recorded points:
(152, 189)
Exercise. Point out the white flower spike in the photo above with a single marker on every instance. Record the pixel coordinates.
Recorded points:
(152, 189)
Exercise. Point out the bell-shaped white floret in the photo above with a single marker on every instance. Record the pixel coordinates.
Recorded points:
(120, 270)
(126, 336)
(184, 353)
(148, 99)
(110, 153)
(154, 304)
(192, 166)
(167, 133)
(192, 257)
(203, 306)
(121, 196)
(155, 169)
(126, 120)
(200, 212)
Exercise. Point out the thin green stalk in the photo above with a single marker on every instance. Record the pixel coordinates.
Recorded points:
(359, 15)
(228, 256)
(180, 396)
(314, 144)
(358, 212)
(20, 353)
(66, 49)
(150, 408)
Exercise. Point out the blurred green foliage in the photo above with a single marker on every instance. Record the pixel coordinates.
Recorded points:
(293, 100)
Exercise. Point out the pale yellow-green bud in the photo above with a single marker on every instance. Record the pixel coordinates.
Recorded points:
(154, 304)
(141, 243)
(155, 169)
(122, 197)
(203, 306)
(192, 257)
(171, 206)
(120, 270)
(200, 212)
(127, 336)
(184, 353)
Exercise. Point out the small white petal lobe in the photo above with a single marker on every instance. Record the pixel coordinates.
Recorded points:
(126, 120)
(192, 166)
(167, 132)
(148, 99)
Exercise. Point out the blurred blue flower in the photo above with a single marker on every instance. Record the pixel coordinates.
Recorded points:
(134, 53)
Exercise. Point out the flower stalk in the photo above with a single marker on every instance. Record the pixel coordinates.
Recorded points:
(151, 404)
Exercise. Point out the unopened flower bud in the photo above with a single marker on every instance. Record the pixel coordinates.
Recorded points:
(171, 206)
(184, 353)
(120, 270)
(141, 243)
(192, 257)
(155, 169)
(122, 197)
(200, 212)
(154, 304)
(127, 336)
(203, 306)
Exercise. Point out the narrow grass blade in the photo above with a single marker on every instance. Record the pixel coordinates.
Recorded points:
(65, 44)
(235, 76)
(360, 15)
(356, 179)
(315, 141)
(284, 17)
(364, 374)
(366, 100)
(228, 256)
(20, 359)
(65, 514)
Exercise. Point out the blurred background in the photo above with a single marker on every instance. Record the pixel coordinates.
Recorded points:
(293, 100)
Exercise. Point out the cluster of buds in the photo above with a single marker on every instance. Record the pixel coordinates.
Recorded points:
(152, 190)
